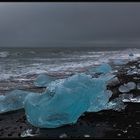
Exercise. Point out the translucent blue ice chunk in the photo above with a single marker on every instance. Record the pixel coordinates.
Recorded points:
(43, 80)
(65, 100)
(119, 62)
(63, 103)
(131, 54)
(103, 68)
(12, 101)
(127, 87)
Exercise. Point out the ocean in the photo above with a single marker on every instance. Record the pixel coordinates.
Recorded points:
(20, 66)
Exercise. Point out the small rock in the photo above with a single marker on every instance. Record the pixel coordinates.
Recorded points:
(87, 136)
(119, 134)
(64, 135)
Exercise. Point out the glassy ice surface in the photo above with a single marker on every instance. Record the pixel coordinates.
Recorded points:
(12, 101)
(63, 103)
(127, 87)
(65, 100)
(131, 54)
(103, 68)
(43, 80)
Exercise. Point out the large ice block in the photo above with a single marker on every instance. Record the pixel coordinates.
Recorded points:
(65, 100)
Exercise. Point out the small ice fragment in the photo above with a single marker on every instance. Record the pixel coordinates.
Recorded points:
(87, 136)
(12, 101)
(27, 133)
(132, 67)
(127, 87)
(119, 62)
(131, 54)
(43, 80)
(138, 123)
(129, 125)
(103, 68)
(130, 98)
(131, 85)
(138, 86)
(64, 135)
(119, 134)
(123, 88)
(124, 131)
(4, 54)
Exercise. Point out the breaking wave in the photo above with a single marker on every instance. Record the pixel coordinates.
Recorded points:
(65, 64)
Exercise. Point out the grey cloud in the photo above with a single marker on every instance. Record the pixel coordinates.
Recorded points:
(69, 24)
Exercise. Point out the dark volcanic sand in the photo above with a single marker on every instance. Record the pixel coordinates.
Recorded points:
(103, 124)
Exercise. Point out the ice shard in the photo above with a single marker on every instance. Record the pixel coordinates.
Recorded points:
(103, 68)
(127, 87)
(43, 80)
(13, 100)
(65, 100)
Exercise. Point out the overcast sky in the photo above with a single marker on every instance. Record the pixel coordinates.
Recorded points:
(69, 24)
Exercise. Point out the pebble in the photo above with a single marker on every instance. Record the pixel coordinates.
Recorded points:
(119, 134)
(64, 135)
(87, 136)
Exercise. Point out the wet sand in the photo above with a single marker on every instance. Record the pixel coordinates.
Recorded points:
(103, 124)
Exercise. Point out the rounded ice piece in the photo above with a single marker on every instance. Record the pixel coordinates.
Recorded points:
(131, 54)
(131, 85)
(123, 88)
(127, 87)
(13, 100)
(43, 80)
(119, 62)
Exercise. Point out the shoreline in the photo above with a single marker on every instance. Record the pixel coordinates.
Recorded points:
(102, 124)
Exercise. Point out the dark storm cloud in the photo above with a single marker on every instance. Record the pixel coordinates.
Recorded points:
(69, 24)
